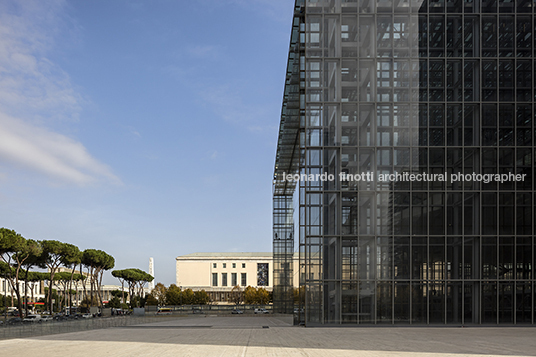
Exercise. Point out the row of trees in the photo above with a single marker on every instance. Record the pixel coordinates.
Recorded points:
(18, 255)
(250, 296)
(173, 295)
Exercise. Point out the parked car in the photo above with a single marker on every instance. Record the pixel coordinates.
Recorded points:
(47, 318)
(87, 316)
(198, 311)
(14, 321)
(261, 311)
(164, 311)
(32, 319)
(237, 311)
(60, 317)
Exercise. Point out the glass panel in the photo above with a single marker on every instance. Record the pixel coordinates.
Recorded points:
(489, 302)
(471, 310)
(419, 258)
(454, 301)
(366, 301)
(489, 257)
(506, 303)
(402, 302)
(523, 303)
(437, 303)
(419, 299)
(384, 306)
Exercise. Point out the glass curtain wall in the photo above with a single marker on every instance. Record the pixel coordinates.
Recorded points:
(289, 161)
(414, 87)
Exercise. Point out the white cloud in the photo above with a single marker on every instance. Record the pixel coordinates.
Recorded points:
(50, 153)
(31, 85)
(133, 132)
(36, 94)
(214, 155)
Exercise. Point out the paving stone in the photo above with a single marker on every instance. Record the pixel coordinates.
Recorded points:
(245, 336)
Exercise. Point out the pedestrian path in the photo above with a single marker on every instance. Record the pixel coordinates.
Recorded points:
(270, 336)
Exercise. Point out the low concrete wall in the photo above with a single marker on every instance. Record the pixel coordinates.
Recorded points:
(55, 327)
(139, 311)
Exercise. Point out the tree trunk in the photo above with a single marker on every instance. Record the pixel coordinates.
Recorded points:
(13, 283)
(122, 291)
(50, 285)
(70, 287)
(62, 298)
(91, 285)
(26, 296)
(76, 293)
(84, 283)
(52, 267)
(100, 288)
(17, 290)
(26, 290)
(32, 287)
(131, 291)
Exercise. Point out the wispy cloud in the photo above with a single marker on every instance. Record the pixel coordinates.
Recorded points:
(133, 132)
(36, 94)
(31, 85)
(214, 155)
(50, 153)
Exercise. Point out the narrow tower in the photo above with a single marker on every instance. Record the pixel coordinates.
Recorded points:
(151, 272)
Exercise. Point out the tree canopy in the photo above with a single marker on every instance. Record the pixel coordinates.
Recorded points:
(18, 255)
(256, 296)
(135, 278)
(97, 262)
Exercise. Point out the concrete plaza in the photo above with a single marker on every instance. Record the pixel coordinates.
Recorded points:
(270, 336)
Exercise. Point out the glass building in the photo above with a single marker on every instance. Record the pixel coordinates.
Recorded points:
(411, 126)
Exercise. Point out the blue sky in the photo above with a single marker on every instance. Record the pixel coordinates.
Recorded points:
(142, 128)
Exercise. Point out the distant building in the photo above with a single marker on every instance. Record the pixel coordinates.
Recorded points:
(35, 291)
(151, 272)
(218, 273)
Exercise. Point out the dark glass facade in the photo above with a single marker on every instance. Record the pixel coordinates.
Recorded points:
(388, 87)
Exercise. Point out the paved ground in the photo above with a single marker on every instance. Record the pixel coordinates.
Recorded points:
(248, 336)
